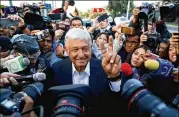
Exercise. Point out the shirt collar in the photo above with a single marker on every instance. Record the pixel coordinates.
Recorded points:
(87, 69)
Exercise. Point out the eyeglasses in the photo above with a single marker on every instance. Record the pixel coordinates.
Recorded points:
(132, 42)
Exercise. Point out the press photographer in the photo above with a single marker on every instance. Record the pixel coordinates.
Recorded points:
(45, 39)
(28, 47)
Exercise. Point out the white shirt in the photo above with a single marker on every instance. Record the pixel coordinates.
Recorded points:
(83, 78)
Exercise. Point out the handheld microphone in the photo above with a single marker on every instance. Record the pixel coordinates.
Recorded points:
(128, 71)
(17, 64)
(160, 67)
(33, 77)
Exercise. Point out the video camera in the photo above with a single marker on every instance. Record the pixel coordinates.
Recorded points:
(11, 102)
(169, 12)
(141, 102)
(146, 13)
(40, 22)
(71, 100)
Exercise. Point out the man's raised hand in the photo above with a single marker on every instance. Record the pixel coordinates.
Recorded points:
(111, 61)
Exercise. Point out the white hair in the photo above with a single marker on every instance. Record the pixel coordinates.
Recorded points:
(78, 34)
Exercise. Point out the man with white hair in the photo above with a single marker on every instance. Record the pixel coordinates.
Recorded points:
(101, 76)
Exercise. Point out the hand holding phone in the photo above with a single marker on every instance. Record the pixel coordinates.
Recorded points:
(6, 22)
(63, 26)
(128, 30)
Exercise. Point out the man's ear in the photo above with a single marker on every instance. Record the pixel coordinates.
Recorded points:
(66, 49)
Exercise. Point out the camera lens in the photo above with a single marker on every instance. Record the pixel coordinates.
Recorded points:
(141, 102)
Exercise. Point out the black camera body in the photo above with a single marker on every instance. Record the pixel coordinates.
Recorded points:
(145, 11)
(142, 102)
(152, 40)
(71, 2)
(169, 12)
(11, 102)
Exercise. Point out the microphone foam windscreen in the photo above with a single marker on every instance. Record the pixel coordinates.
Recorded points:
(26, 61)
(39, 76)
(152, 64)
(126, 69)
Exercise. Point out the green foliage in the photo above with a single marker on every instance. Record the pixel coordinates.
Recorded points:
(116, 7)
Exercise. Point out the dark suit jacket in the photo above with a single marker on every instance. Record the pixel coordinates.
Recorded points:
(105, 103)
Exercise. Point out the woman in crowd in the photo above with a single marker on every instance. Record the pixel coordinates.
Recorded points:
(101, 38)
(137, 58)
(172, 53)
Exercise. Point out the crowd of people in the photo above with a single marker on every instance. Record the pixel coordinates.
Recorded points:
(88, 55)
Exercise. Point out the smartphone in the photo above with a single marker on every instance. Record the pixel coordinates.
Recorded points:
(6, 22)
(102, 17)
(153, 56)
(128, 30)
(62, 26)
(59, 16)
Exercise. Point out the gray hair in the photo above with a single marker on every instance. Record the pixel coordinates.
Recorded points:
(78, 34)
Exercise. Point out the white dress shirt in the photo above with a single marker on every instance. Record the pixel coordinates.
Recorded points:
(83, 78)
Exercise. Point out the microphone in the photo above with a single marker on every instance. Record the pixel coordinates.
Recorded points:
(160, 67)
(33, 77)
(128, 71)
(151, 64)
(17, 64)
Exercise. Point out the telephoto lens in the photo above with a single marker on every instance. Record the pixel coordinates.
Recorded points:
(71, 100)
(141, 102)
(13, 103)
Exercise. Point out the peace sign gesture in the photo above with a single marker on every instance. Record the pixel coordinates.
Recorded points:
(111, 61)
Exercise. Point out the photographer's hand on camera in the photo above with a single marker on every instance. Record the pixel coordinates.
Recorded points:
(58, 34)
(29, 103)
(143, 38)
(7, 78)
(16, 17)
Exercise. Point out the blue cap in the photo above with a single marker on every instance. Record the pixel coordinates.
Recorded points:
(25, 44)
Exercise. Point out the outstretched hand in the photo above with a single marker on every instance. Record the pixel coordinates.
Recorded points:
(111, 62)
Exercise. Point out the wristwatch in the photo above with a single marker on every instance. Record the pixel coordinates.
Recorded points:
(114, 79)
